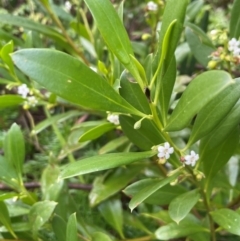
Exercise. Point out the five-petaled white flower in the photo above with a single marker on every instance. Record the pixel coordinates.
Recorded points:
(23, 90)
(113, 119)
(152, 6)
(234, 46)
(191, 159)
(165, 151)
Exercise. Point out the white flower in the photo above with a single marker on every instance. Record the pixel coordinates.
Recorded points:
(32, 101)
(113, 119)
(191, 159)
(68, 5)
(165, 151)
(23, 90)
(152, 6)
(234, 46)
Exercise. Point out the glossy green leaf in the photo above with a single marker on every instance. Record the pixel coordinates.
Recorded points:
(17, 227)
(173, 10)
(29, 24)
(227, 219)
(182, 205)
(161, 197)
(114, 33)
(55, 119)
(59, 228)
(221, 132)
(214, 159)
(39, 214)
(98, 236)
(50, 185)
(96, 132)
(112, 212)
(214, 112)
(14, 148)
(113, 145)
(235, 20)
(8, 174)
(69, 78)
(5, 219)
(103, 162)
(72, 234)
(199, 92)
(106, 186)
(166, 88)
(10, 100)
(193, 9)
(173, 230)
(151, 188)
(5, 51)
(195, 38)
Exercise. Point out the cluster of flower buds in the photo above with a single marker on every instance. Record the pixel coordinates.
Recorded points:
(24, 91)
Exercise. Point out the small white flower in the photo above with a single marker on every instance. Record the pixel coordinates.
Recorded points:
(113, 119)
(152, 6)
(165, 151)
(234, 46)
(32, 101)
(191, 159)
(23, 90)
(68, 5)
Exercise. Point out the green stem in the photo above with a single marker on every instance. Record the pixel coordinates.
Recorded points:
(146, 238)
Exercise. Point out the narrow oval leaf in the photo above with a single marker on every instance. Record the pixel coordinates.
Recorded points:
(199, 92)
(214, 112)
(98, 236)
(69, 78)
(103, 162)
(96, 132)
(5, 51)
(10, 100)
(105, 187)
(235, 20)
(14, 148)
(151, 188)
(111, 210)
(71, 233)
(173, 230)
(227, 219)
(182, 205)
(214, 159)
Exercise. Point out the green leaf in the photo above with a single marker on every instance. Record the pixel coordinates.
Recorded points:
(199, 43)
(182, 205)
(214, 159)
(50, 185)
(5, 219)
(96, 132)
(69, 78)
(8, 174)
(112, 212)
(102, 162)
(193, 9)
(214, 112)
(173, 230)
(199, 92)
(5, 51)
(221, 132)
(29, 24)
(227, 219)
(14, 148)
(235, 20)
(55, 119)
(59, 228)
(10, 100)
(161, 197)
(72, 234)
(98, 236)
(39, 214)
(113, 145)
(114, 33)
(106, 186)
(151, 188)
